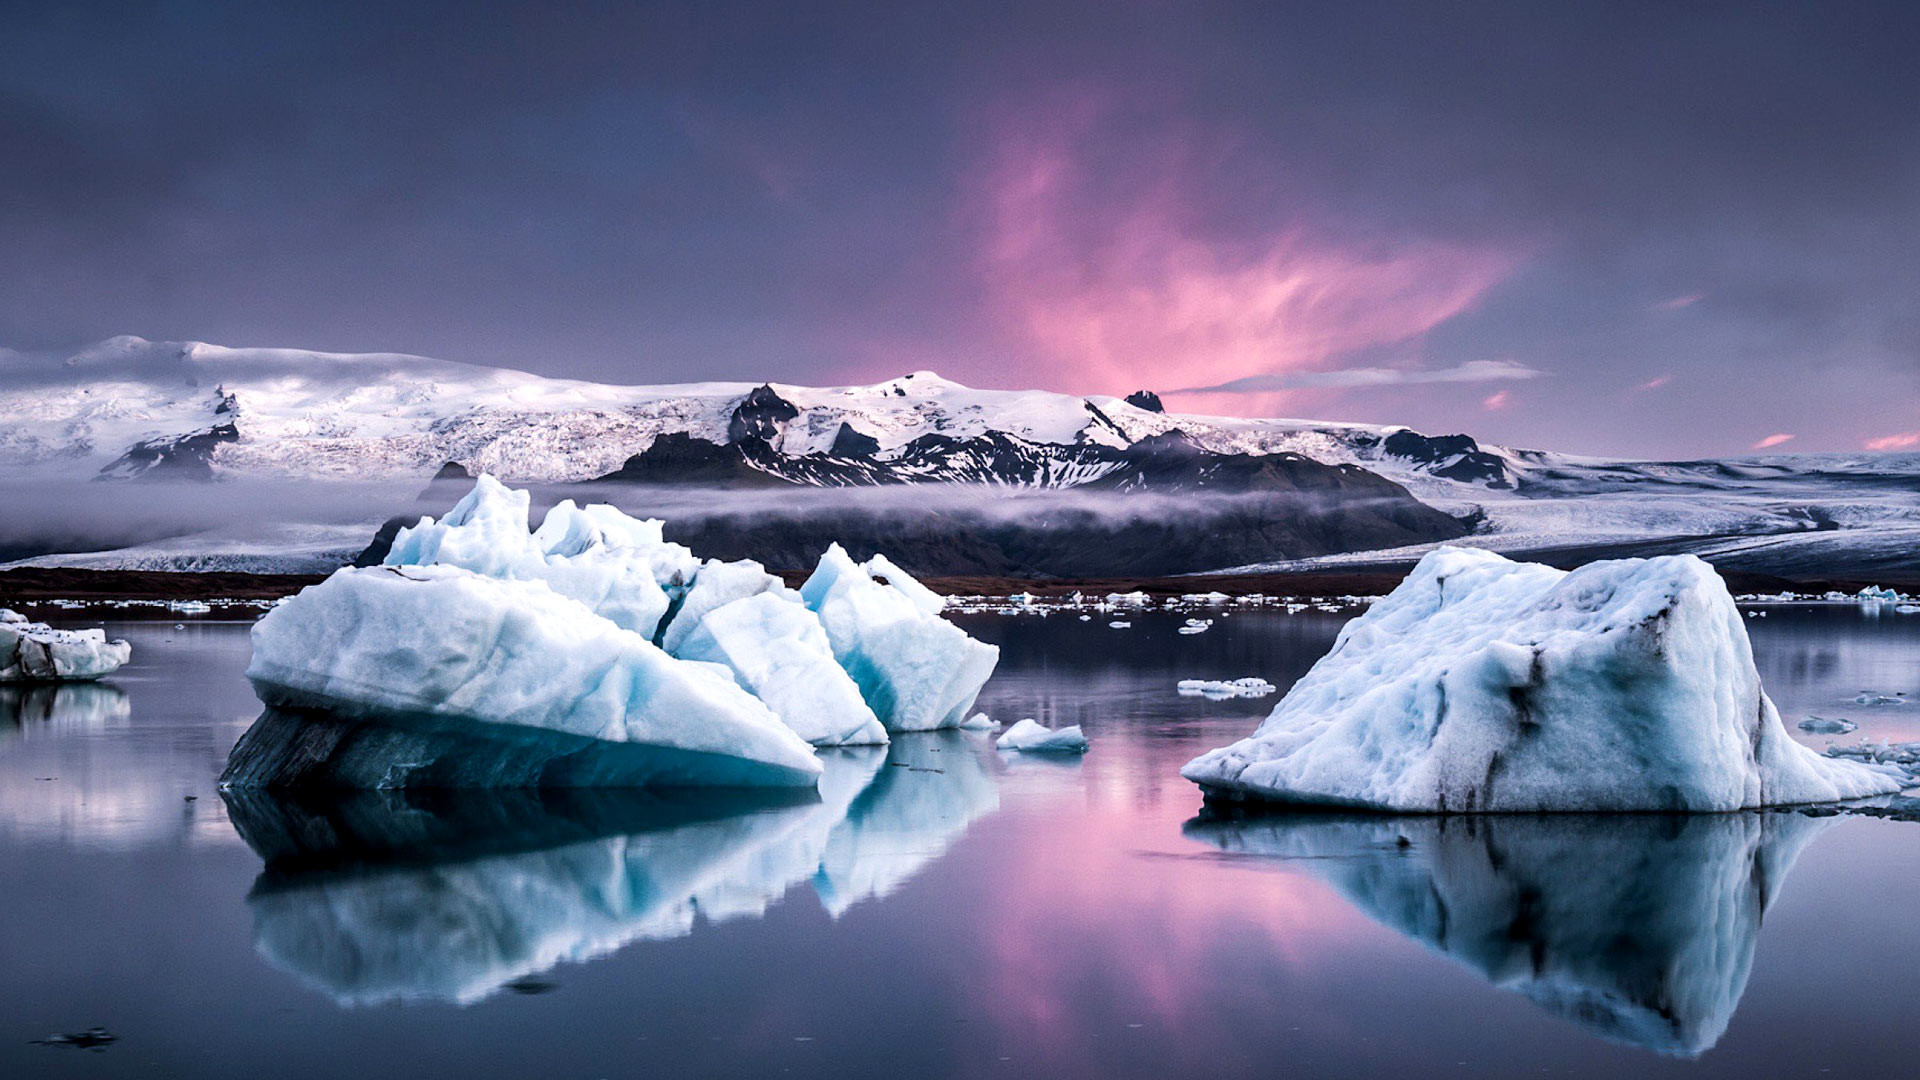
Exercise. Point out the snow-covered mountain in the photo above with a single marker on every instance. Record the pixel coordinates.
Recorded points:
(134, 410)
(128, 407)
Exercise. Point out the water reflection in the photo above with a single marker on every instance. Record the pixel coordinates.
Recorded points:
(1640, 928)
(29, 711)
(373, 897)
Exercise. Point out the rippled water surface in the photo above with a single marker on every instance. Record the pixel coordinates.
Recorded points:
(941, 909)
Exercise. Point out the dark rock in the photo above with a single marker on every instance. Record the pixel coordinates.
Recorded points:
(760, 415)
(1145, 399)
(185, 457)
(1454, 457)
(94, 1038)
(678, 458)
(849, 442)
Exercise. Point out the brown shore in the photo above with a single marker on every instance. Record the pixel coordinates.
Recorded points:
(26, 587)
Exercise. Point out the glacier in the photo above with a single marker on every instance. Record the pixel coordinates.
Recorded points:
(36, 652)
(1482, 684)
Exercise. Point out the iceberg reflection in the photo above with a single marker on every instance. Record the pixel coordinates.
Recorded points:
(31, 709)
(383, 896)
(1640, 928)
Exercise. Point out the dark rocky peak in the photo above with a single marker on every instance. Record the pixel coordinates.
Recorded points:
(850, 442)
(182, 457)
(1145, 399)
(760, 416)
(1457, 457)
(225, 403)
(679, 458)
(1168, 445)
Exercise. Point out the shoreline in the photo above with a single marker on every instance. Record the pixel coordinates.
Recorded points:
(65, 587)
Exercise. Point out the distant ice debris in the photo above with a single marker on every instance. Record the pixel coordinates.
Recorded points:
(1119, 624)
(1218, 690)
(1029, 736)
(593, 627)
(1872, 698)
(1902, 757)
(36, 652)
(1822, 725)
(1197, 626)
(1482, 684)
(980, 722)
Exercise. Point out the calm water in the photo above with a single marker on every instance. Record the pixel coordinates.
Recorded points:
(941, 911)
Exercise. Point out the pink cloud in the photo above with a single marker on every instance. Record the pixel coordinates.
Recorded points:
(1654, 383)
(1497, 401)
(1678, 302)
(1110, 280)
(1906, 440)
(1772, 441)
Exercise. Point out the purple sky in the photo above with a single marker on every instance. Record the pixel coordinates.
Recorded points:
(1657, 229)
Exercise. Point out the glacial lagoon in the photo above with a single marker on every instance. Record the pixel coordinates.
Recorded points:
(938, 909)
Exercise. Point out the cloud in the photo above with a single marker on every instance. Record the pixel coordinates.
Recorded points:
(1678, 302)
(1111, 272)
(1497, 400)
(1654, 383)
(1772, 441)
(1905, 440)
(1473, 371)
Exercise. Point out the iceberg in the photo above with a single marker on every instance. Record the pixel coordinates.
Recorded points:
(1031, 737)
(1640, 929)
(715, 585)
(1220, 690)
(777, 650)
(1481, 684)
(442, 648)
(916, 670)
(36, 652)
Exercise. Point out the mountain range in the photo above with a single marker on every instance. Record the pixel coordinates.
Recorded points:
(1001, 482)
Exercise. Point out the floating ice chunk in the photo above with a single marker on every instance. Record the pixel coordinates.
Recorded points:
(1482, 684)
(1030, 737)
(1119, 624)
(1218, 690)
(916, 670)
(618, 566)
(1821, 725)
(1197, 626)
(509, 659)
(981, 722)
(1902, 757)
(190, 607)
(1874, 594)
(777, 650)
(34, 652)
(1873, 697)
(715, 584)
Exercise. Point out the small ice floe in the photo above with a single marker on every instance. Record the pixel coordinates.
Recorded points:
(1197, 626)
(1903, 758)
(1872, 698)
(1028, 736)
(1756, 614)
(1908, 609)
(36, 652)
(190, 607)
(1218, 690)
(1086, 618)
(1119, 624)
(1822, 725)
(980, 722)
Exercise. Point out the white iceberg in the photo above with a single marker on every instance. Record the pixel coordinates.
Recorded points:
(36, 652)
(916, 670)
(1031, 736)
(1482, 684)
(778, 651)
(488, 655)
(618, 566)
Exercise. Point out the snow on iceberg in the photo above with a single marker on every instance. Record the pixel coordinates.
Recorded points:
(448, 647)
(36, 652)
(1482, 684)
(916, 670)
(1640, 929)
(1031, 736)
(778, 651)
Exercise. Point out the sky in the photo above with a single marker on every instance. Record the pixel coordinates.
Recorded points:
(1646, 229)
